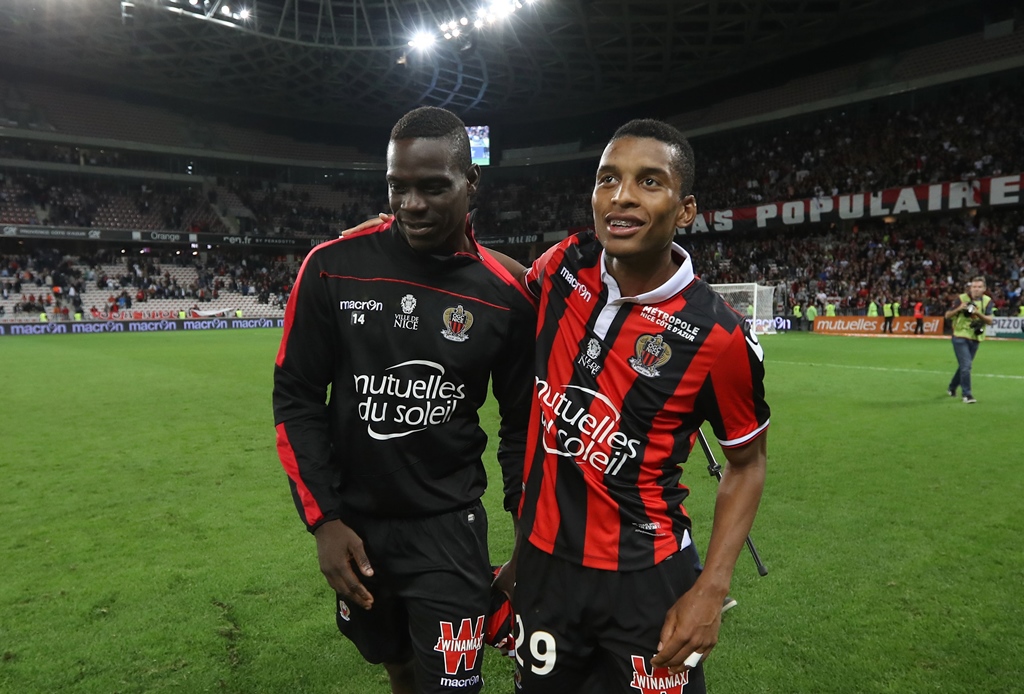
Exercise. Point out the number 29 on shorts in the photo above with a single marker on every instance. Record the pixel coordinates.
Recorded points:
(542, 652)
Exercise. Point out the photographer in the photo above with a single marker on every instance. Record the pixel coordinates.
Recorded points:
(970, 317)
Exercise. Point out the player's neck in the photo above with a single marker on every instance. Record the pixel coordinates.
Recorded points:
(641, 274)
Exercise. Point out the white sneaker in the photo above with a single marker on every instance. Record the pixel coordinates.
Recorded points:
(968, 400)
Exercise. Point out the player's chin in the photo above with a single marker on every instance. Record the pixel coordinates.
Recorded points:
(621, 247)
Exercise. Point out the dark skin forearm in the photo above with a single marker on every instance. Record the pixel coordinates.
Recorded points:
(692, 623)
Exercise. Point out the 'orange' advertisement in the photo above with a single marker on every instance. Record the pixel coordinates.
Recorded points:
(864, 325)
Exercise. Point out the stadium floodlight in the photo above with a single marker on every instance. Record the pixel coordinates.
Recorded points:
(225, 10)
(244, 14)
(489, 12)
(422, 40)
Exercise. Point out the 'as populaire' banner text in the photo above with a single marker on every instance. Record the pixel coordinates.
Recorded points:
(892, 202)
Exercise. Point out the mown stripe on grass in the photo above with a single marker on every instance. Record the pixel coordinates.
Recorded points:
(974, 374)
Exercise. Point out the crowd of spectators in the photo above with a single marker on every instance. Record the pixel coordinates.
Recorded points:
(283, 210)
(961, 134)
(925, 259)
(79, 201)
(47, 280)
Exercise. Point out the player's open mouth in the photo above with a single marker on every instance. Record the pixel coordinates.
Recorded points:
(623, 225)
(417, 227)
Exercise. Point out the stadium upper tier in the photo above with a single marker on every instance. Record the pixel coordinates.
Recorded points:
(33, 106)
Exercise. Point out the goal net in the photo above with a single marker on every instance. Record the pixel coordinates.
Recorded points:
(754, 301)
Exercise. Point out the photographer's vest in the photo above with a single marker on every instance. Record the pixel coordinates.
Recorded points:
(962, 326)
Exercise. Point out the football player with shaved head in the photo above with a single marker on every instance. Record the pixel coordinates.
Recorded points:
(391, 337)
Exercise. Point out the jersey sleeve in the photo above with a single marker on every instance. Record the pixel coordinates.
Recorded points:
(733, 394)
(535, 274)
(302, 373)
(512, 382)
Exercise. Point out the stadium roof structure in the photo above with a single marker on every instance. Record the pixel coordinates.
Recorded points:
(364, 61)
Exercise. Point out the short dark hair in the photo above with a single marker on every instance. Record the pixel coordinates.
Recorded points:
(436, 123)
(682, 153)
(979, 278)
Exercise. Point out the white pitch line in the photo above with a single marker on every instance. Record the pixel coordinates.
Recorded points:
(887, 368)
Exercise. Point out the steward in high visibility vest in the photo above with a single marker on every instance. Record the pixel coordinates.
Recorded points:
(887, 313)
(812, 313)
(830, 309)
(43, 318)
(873, 310)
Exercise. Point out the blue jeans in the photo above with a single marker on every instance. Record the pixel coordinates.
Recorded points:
(965, 350)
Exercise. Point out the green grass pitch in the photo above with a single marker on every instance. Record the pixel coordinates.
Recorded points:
(148, 542)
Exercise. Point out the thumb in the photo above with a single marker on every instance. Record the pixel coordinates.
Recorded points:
(362, 561)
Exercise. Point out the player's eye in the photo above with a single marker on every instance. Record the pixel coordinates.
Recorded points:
(651, 182)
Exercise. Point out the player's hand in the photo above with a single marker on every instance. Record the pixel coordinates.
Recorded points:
(691, 626)
(369, 223)
(505, 581)
(338, 546)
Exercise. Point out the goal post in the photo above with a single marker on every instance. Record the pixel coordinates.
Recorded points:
(755, 301)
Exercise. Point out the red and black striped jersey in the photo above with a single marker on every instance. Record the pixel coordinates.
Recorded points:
(623, 385)
(407, 343)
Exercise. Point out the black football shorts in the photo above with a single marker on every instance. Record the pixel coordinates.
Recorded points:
(594, 631)
(432, 593)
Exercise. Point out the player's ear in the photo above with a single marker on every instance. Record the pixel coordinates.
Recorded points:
(687, 212)
(473, 178)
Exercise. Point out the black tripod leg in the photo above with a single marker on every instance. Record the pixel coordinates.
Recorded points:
(715, 470)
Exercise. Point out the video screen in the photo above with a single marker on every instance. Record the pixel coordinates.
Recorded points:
(480, 143)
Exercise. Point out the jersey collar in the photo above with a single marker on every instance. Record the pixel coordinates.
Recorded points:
(675, 284)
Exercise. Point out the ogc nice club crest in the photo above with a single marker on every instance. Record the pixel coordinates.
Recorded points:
(457, 322)
(650, 352)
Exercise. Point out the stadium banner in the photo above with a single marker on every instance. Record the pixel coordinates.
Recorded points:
(137, 326)
(866, 325)
(891, 202)
(1006, 326)
(509, 240)
(153, 236)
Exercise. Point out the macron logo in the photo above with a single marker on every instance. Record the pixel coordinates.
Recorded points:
(580, 288)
